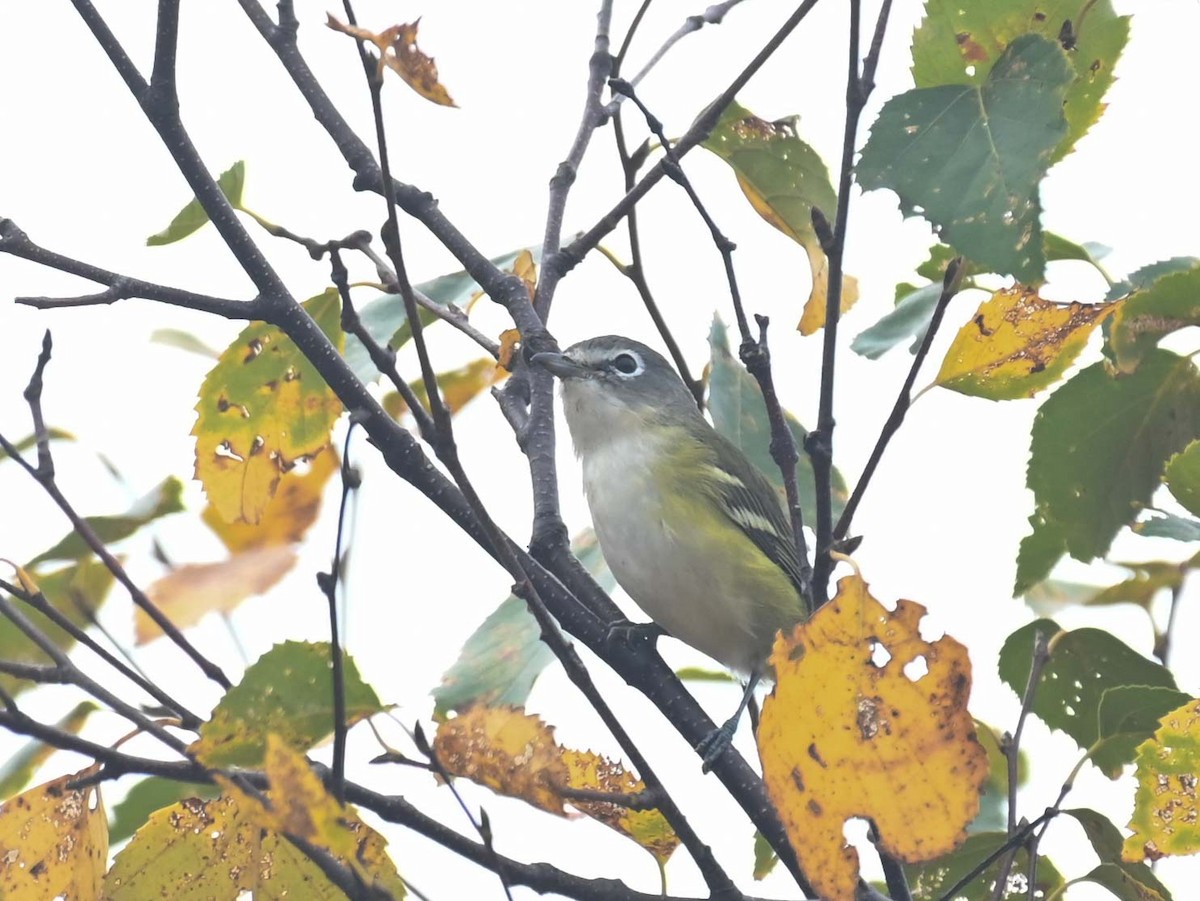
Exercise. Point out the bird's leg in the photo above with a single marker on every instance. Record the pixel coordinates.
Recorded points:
(713, 745)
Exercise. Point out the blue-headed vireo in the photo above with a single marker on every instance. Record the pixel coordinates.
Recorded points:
(693, 532)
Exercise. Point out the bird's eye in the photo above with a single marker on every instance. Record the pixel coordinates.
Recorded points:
(627, 364)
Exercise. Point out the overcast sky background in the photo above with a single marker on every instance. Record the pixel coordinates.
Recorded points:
(83, 174)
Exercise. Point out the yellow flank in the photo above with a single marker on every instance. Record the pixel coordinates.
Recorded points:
(738, 575)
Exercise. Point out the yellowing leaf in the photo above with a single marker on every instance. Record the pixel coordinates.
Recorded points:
(299, 806)
(526, 270)
(649, 828)
(214, 849)
(1166, 809)
(783, 177)
(458, 386)
(843, 737)
(1016, 344)
(812, 319)
(53, 842)
(515, 754)
(187, 593)
(288, 514)
(510, 340)
(262, 408)
(510, 752)
(399, 52)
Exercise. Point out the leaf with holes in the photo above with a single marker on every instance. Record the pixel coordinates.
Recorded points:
(1017, 344)
(783, 178)
(1097, 454)
(53, 841)
(929, 881)
(959, 41)
(288, 692)
(843, 736)
(262, 409)
(1166, 809)
(969, 158)
(1084, 664)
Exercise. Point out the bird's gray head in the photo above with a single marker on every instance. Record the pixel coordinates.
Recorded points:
(613, 384)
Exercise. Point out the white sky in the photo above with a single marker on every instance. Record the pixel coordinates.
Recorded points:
(83, 174)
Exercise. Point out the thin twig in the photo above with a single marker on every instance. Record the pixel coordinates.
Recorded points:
(599, 67)
(15, 242)
(819, 443)
(700, 129)
(1013, 842)
(714, 15)
(1012, 746)
(328, 583)
(950, 285)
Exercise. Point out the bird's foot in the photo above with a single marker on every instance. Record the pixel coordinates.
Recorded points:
(716, 743)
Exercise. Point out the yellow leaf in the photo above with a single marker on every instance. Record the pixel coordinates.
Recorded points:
(297, 805)
(399, 52)
(812, 319)
(263, 408)
(288, 515)
(515, 754)
(187, 593)
(510, 341)
(843, 737)
(510, 752)
(593, 772)
(458, 387)
(1166, 809)
(53, 842)
(1016, 344)
(526, 270)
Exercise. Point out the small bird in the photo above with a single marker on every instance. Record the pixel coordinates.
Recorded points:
(690, 528)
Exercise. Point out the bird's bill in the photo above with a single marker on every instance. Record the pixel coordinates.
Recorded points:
(562, 365)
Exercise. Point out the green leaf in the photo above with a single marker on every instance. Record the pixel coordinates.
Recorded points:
(1170, 303)
(76, 592)
(1175, 527)
(16, 772)
(1097, 454)
(1083, 665)
(929, 881)
(1128, 881)
(700, 674)
(1128, 715)
(958, 41)
(192, 216)
(149, 795)
(934, 267)
(178, 338)
(164, 499)
(1149, 274)
(909, 318)
(386, 321)
(30, 441)
(736, 406)
(765, 857)
(289, 692)
(1182, 476)
(499, 663)
(971, 157)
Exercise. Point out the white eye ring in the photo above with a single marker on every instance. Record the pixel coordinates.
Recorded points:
(628, 364)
